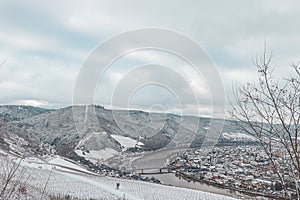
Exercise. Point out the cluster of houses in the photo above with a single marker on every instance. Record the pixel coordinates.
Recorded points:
(242, 168)
(117, 167)
(115, 172)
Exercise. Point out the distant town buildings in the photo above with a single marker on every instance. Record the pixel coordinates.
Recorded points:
(243, 168)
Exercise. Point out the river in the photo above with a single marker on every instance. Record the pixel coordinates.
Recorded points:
(159, 159)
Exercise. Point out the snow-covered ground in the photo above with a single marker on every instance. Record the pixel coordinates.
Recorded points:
(94, 155)
(85, 186)
(125, 142)
(84, 140)
(2, 152)
(59, 161)
(53, 163)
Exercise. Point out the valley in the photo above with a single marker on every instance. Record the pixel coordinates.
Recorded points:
(93, 138)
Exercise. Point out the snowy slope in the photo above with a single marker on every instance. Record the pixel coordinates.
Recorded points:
(125, 142)
(17, 113)
(94, 156)
(83, 127)
(85, 186)
(57, 160)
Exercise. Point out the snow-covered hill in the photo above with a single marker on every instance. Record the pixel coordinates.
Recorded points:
(17, 113)
(59, 177)
(89, 134)
(74, 128)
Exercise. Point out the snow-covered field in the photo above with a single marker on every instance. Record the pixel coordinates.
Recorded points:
(64, 181)
(126, 142)
(94, 155)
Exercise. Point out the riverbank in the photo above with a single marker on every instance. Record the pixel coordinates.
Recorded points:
(158, 160)
(188, 178)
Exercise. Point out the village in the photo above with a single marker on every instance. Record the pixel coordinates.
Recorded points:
(242, 168)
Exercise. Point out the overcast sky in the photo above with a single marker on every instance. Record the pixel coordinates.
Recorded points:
(45, 45)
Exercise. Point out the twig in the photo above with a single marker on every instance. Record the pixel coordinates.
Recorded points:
(44, 189)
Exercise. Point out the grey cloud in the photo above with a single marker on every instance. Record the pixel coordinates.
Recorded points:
(232, 32)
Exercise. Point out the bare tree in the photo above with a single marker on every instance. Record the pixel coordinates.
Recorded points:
(12, 180)
(270, 111)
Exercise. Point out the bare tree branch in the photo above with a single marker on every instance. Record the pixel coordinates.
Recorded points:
(270, 111)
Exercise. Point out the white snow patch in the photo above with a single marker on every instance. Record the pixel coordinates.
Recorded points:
(140, 144)
(57, 160)
(95, 156)
(84, 140)
(3, 152)
(35, 163)
(51, 163)
(125, 142)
